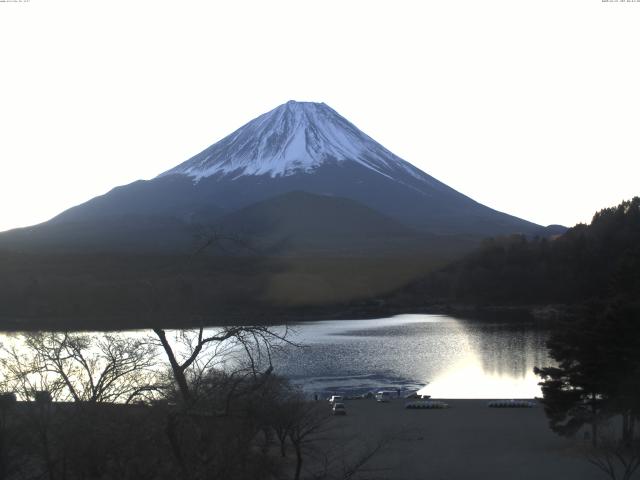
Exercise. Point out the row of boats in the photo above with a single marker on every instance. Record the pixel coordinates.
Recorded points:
(511, 404)
(492, 404)
(417, 401)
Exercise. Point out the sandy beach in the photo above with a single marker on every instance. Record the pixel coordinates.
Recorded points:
(466, 441)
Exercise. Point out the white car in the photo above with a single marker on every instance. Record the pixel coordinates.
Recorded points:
(338, 409)
(384, 396)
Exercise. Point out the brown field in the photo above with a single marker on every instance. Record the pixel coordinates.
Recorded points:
(121, 291)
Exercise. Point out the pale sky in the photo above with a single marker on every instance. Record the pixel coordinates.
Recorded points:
(530, 107)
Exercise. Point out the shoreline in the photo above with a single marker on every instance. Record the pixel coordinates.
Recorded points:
(531, 314)
(466, 440)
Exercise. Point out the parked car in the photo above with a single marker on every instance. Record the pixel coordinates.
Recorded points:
(384, 396)
(338, 409)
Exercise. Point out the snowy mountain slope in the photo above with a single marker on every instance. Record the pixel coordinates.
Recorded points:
(297, 147)
(310, 147)
(296, 137)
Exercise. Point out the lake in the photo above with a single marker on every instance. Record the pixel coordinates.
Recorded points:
(454, 358)
(439, 355)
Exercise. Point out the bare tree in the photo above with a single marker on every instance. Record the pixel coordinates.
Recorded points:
(308, 421)
(94, 371)
(83, 368)
(24, 374)
(194, 352)
(618, 458)
(322, 453)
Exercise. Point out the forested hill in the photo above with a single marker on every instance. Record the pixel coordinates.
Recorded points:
(596, 261)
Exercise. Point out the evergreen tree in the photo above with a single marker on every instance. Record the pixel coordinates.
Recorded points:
(598, 366)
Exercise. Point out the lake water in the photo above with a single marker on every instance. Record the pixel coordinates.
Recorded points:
(439, 355)
(443, 356)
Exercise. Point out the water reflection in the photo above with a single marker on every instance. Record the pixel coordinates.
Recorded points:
(454, 358)
(506, 349)
(498, 363)
(457, 358)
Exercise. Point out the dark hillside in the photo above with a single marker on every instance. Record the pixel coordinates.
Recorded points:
(115, 291)
(596, 261)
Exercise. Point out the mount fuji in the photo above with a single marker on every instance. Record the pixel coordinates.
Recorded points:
(298, 178)
(297, 137)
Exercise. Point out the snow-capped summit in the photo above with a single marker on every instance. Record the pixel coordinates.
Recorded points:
(299, 174)
(295, 137)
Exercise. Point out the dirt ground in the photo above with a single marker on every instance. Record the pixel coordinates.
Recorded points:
(469, 440)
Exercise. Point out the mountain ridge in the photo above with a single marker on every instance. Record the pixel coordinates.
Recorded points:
(296, 147)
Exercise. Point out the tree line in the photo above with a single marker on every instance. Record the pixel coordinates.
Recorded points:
(596, 261)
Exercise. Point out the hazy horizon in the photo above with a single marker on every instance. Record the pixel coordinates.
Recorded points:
(528, 109)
